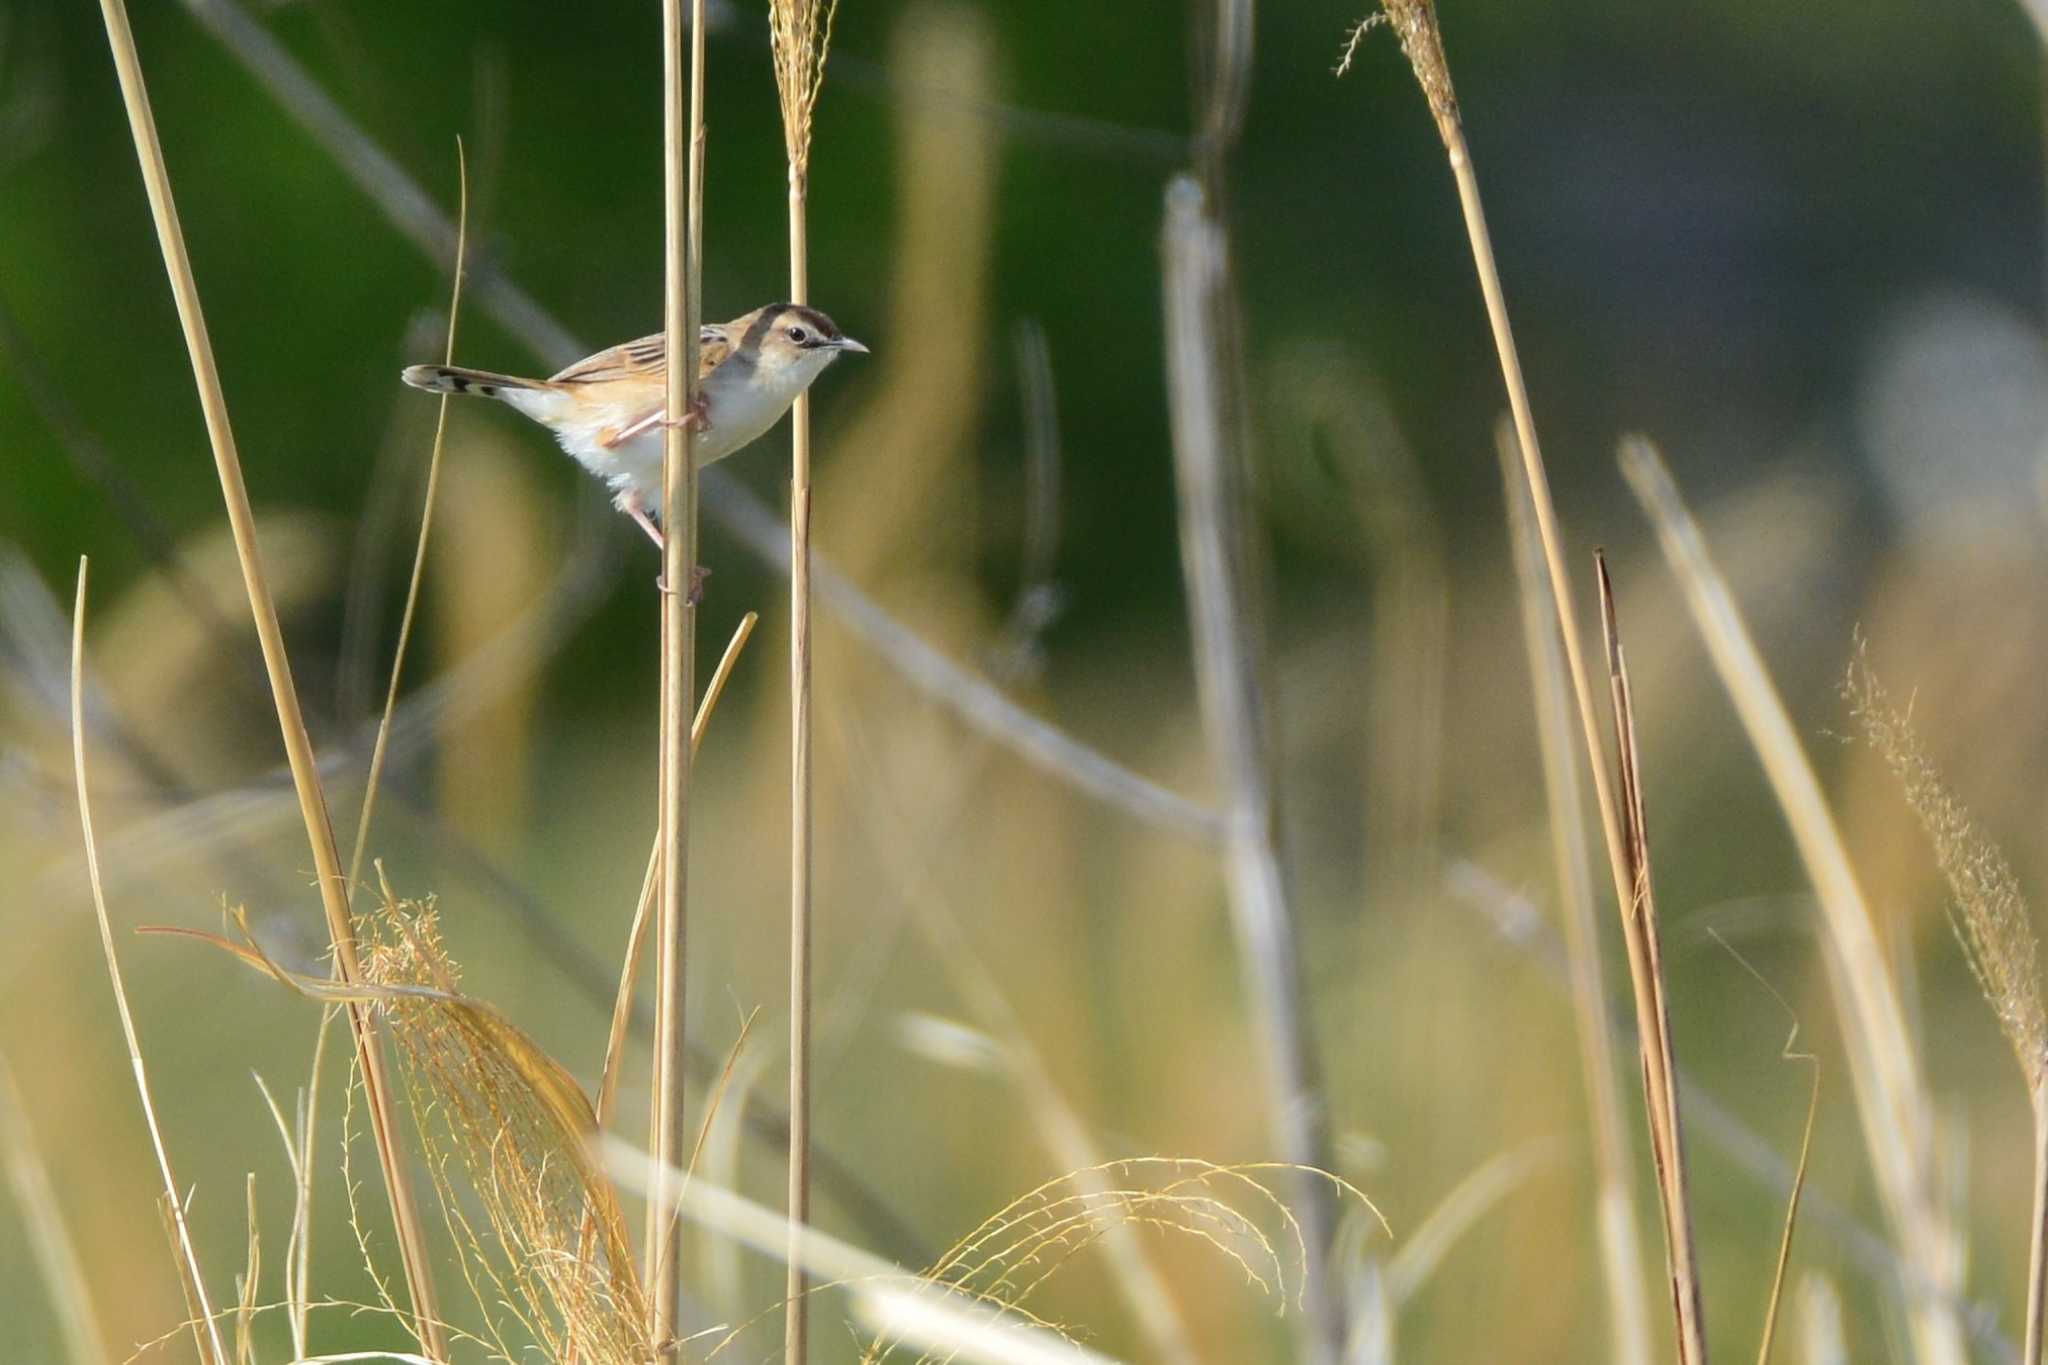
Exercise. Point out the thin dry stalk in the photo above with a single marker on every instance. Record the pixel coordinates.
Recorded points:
(643, 909)
(1892, 1099)
(1653, 1014)
(683, 240)
(49, 1239)
(1414, 21)
(211, 1349)
(1989, 916)
(801, 31)
(629, 972)
(277, 666)
(1620, 1253)
(1208, 424)
(1789, 1053)
(382, 743)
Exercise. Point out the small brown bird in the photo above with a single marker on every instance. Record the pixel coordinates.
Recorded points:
(608, 410)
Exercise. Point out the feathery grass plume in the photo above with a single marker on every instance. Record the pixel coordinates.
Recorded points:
(1885, 1072)
(1991, 923)
(1653, 1011)
(1987, 912)
(800, 33)
(1016, 1251)
(1422, 43)
(490, 1104)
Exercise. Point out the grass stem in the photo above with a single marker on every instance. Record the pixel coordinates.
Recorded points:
(291, 722)
(683, 171)
(206, 1330)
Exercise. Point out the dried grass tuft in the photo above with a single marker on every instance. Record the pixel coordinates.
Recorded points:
(488, 1102)
(1422, 42)
(1005, 1261)
(800, 32)
(1987, 912)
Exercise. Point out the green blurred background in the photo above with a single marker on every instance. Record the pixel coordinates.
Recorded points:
(1800, 245)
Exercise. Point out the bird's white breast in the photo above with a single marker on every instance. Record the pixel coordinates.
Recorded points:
(741, 403)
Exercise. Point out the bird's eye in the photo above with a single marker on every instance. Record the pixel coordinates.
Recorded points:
(799, 335)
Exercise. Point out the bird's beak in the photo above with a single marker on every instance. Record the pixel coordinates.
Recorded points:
(849, 344)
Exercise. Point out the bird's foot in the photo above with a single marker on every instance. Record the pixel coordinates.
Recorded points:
(697, 576)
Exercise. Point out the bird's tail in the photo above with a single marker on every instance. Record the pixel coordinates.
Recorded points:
(455, 379)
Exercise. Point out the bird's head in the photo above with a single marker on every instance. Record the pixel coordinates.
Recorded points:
(789, 342)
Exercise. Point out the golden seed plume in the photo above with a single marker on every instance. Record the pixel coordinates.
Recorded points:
(801, 33)
(1414, 23)
(1988, 913)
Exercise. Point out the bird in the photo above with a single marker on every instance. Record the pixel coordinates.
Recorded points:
(608, 409)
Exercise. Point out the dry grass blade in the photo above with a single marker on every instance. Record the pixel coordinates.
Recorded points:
(1789, 1053)
(629, 972)
(1989, 916)
(49, 1240)
(277, 666)
(1620, 1252)
(1653, 1014)
(1415, 23)
(211, 1349)
(1892, 1099)
(382, 744)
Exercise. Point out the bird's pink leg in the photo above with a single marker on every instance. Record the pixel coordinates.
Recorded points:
(698, 418)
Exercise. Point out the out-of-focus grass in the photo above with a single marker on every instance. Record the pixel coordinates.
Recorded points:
(1444, 1048)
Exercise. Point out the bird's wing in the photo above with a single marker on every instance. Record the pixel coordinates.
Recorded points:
(647, 358)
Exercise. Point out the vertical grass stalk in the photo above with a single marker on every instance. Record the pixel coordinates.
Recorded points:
(683, 176)
(377, 1088)
(1620, 1252)
(1653, 1012)
(1207, 424)
(205, 1331)
(1414, 23)
(1892, 1098)
(801, 31)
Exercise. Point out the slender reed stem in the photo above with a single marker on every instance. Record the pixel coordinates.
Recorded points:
(1892, 1099)
(419, 555)
(1620, 1252)
(1653, 1012)
(56, 1255)
(801, 34)
(298, 744)
(211, 1349)
(1416, 25)
(796, 1311)
(683, 170)
(2037, 1239)
(1207, 424)
(643, 916)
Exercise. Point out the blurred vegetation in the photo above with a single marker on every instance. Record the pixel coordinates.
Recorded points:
(1802, 245)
